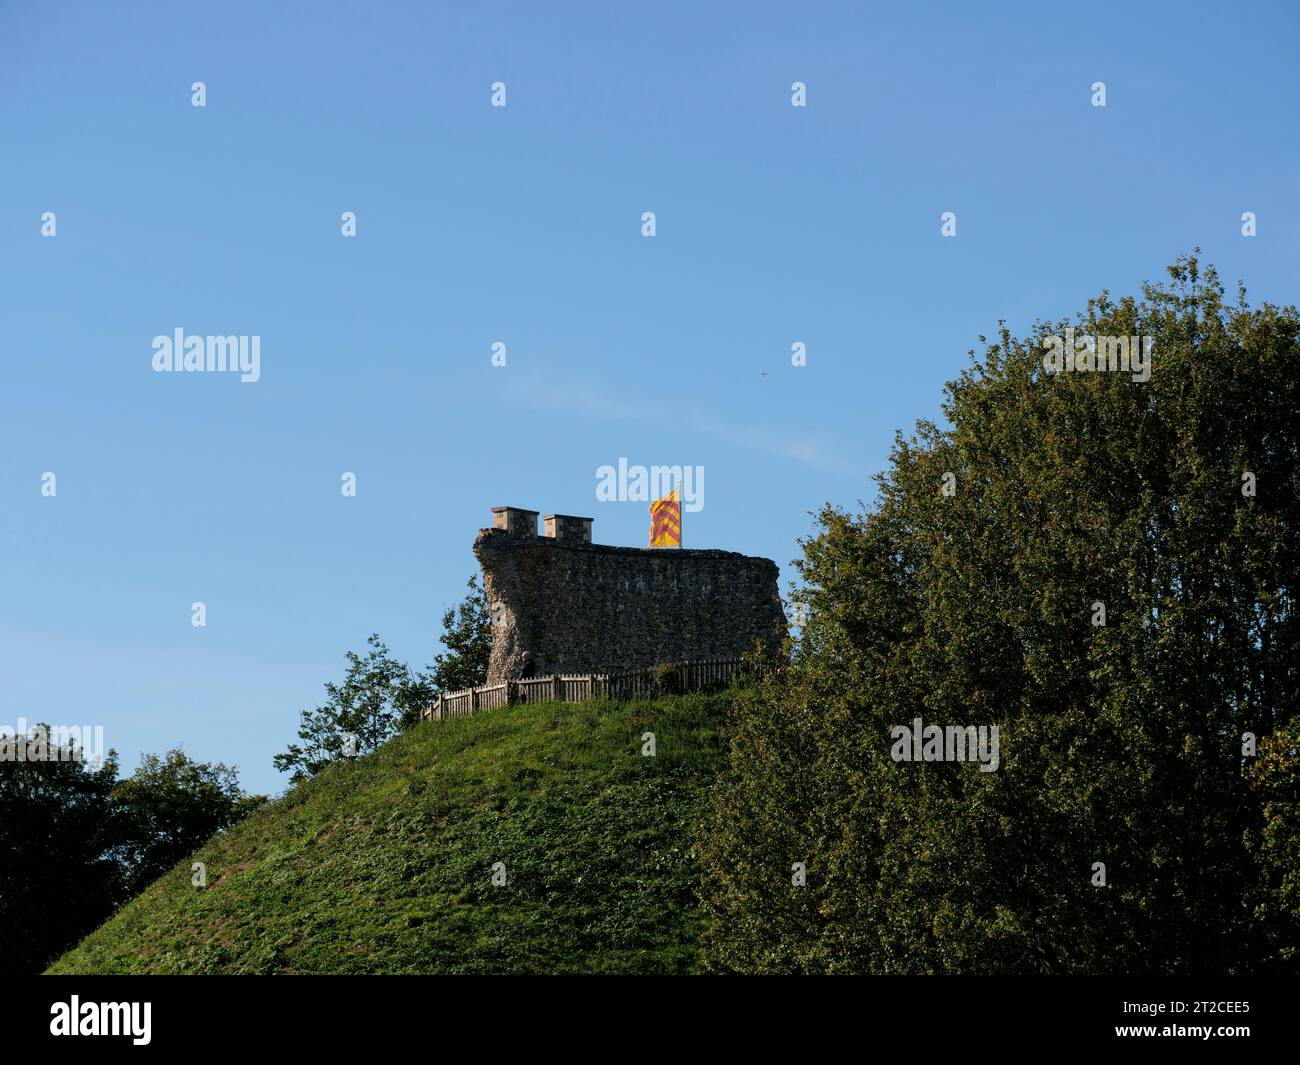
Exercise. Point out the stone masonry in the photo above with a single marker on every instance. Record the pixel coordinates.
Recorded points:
(580, 607)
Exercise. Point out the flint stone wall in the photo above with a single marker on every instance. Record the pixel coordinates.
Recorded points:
(592, 608)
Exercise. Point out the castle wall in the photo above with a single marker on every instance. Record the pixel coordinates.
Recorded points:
(590, 608)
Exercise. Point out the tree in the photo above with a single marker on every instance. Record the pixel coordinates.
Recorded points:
(169, 807)
(57, 880)
(378, 696)
(1275, 776)
(968, 594)
(78, 843)
(467, 635)
(381, 695)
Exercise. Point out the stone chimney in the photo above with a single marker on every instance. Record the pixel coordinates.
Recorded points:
(567, 529)
(516, 521)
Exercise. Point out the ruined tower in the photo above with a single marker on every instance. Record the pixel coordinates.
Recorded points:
(580, 607)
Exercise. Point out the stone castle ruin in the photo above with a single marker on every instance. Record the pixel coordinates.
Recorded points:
(580, 607)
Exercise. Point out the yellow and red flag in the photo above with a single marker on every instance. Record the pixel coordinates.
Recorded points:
(666, 521)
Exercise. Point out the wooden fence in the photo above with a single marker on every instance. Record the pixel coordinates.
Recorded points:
(583, 687)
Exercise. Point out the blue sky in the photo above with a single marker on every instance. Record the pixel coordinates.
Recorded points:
(522, 225)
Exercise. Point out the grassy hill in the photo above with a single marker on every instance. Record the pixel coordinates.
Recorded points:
(384, 865)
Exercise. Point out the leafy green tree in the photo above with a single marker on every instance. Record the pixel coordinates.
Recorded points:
(57, 878)
(968, 593)
(381, 695)
(467, 635)
(169, 807)
(77, 843)
(1276, 778)
(378, 696)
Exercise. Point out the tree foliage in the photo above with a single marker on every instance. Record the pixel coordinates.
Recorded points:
(467, 635)
(169, 806)
(57, 877)
(378, 697)
(1121, 744)
(381, 696)
(77, 843)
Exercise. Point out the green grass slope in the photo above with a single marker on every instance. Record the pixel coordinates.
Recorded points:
(384, 865)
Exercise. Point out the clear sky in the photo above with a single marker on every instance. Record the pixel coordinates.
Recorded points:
(522, 224)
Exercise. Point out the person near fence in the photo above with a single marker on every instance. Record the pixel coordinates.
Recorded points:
(527, 667)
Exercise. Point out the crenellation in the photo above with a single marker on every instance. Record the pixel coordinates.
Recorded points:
(515, 521)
